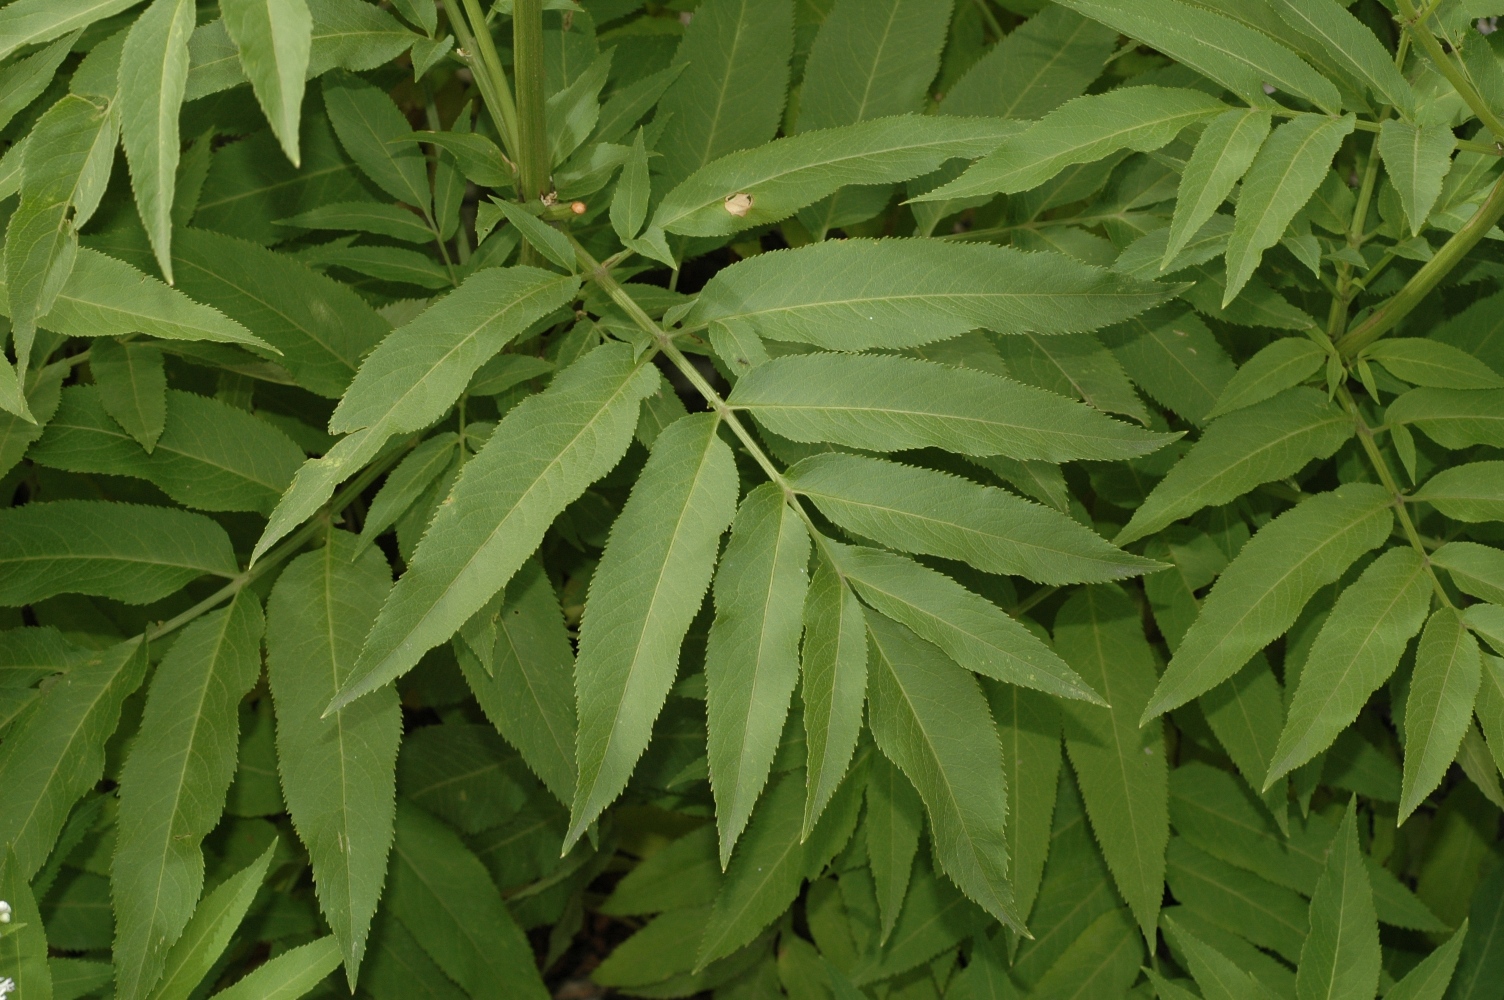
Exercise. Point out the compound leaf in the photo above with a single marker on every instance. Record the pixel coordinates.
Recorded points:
(542, 455)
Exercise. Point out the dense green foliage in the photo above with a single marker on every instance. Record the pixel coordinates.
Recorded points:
(836, 499)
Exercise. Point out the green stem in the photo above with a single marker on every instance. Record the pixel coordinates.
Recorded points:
(289, 545)
(1460, 83)
(991, 19)
(485, 65)
(528, 69)
(1337, 316)
(665, 343)
(1386, 476)
(1384, 318)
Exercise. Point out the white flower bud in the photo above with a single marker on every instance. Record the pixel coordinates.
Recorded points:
(4, 912)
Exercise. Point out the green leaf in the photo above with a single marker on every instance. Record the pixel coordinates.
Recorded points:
(1214, 813)
(1262, 592)
(23, 944)
(446, 900)
(1351, 45)
(539, 459)
(1103, 961)
(1082, 131)
(683, 875)
(529, 692)
(1429, 979)
(571, 113)
(1221, 157)
(730, 94)
(31, 22)
(1028, 723)
(1475, 569)
(153, 78)
(935, 918)
(288, 976)
(208, 933)
(851, 295)
(1421, 361)
(1283, 364)
(833, 665)
(55, 752)
(1417, 159)
(1172, 355)
(895, 818)
(406, 483)
(338, 773)
(132, 388)
(1448, 670)
(933, 513)
(1289, 168)
(1038, 66)
(1246, 714)
(763, 877)
(1074, 364)
(401, 968)
(930, 719)
(366, 217)
(211, 455)
(64, 170)
(1355, 652)
(1239, 58)
(1472, 492)
(773, 181)
(1218, 977)
(629, 206)
(321, 328)
(1120, 766)
(105, 297)
(126, 552)
(650, 582)
(970, 629)
(274, 38)
(893, 404)
(173, 786)
(371, 129)
(1267, 441)
(24, 80)
(870, 60)
(1453, 418)
(421, 368)
(752, 654)
(1251, 907)
(1340, 957)
(542, 237)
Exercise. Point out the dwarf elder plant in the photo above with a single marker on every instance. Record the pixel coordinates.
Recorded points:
(832, 499)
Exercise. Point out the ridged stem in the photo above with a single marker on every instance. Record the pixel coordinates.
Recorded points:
(1403, 302)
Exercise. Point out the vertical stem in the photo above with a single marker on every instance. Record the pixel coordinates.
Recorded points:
(527, 67)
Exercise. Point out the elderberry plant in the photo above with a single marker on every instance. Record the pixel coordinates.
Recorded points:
(836, 499)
